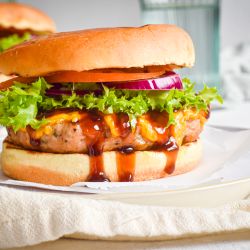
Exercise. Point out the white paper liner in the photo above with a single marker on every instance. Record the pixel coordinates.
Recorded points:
(226, 157)
(231, 116)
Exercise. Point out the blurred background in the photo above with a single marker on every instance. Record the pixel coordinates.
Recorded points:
(219, 29)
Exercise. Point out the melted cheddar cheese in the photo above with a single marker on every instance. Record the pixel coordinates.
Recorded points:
(146, 127)
(56, 119)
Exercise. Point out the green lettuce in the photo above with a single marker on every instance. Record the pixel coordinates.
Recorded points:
(12, 40)
(21, 103)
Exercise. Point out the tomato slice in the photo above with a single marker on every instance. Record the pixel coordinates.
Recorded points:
(10, 82)
(85, 76)
(88, 76)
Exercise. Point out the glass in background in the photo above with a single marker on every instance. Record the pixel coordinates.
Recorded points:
(200, 18)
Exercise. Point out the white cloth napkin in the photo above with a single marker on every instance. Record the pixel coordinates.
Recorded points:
(28, 218)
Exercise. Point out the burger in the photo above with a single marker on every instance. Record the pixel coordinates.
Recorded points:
(19, 23)
(102, 105)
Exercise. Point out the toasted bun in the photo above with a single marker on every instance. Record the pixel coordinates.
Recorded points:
(66, 169)
(24, 17)
(150, 45)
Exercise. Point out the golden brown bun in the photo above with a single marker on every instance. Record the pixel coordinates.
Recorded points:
(24, 17)
(66, 169)
(101, 49)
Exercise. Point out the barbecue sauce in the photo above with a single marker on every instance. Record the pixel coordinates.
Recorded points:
(125, 157)
(171, 151)
(97, 173)
(125, 161)
(165, 143)
(93, 128)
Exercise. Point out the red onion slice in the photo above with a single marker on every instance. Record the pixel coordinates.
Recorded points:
(168, 81)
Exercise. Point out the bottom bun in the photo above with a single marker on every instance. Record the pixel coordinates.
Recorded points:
(66, 169)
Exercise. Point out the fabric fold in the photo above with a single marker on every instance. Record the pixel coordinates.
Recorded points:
(31, 217)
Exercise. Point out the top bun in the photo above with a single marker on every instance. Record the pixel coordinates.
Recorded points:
(24, 17)
(150, 45)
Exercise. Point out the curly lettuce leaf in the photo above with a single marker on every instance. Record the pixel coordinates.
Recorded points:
(21, 103)
(12, 40)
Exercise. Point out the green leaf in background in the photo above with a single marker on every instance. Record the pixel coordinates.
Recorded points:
(21, 103)
(12, 40)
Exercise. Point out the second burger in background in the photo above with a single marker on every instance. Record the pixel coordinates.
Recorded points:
(19, 23)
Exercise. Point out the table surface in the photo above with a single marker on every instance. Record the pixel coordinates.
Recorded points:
(230, 241)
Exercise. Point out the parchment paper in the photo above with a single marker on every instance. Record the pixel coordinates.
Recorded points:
(226, 157)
